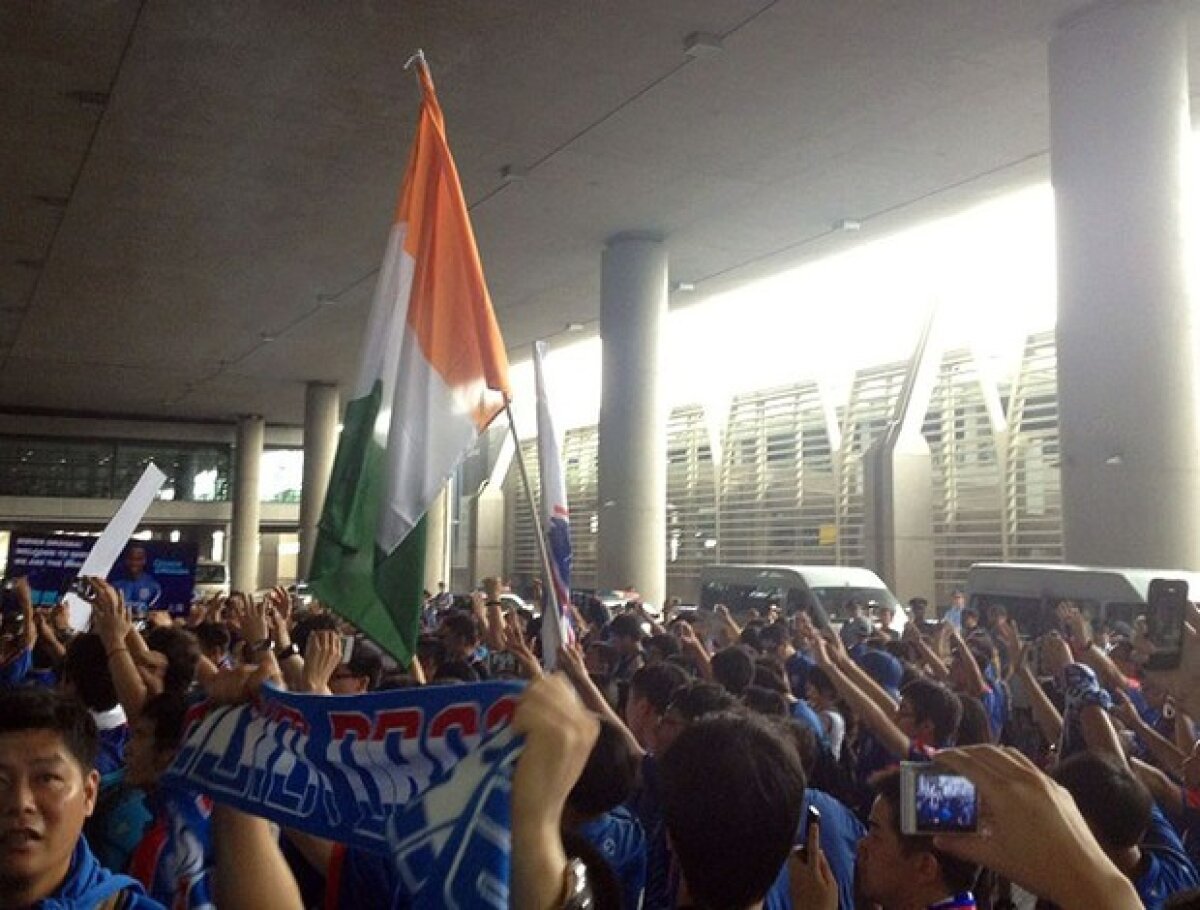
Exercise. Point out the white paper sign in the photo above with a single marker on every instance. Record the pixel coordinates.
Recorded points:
(112, 541)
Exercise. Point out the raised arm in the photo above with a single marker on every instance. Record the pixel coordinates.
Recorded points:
(110, 619)
(570, 662)
(1045, 715)
(878, 721)
(250, 870)
(1165, 752)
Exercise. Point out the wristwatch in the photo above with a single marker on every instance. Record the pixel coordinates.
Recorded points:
(577, 890)
(292, 650)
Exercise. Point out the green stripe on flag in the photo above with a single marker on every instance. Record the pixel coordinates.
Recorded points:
(379, 592)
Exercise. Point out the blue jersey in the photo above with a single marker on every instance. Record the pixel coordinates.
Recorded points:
(14, 670)
(840, 833)
(141, 593)
(88, 884)
(175, 856)
(646, 804)
(1166, 868)
(620, 839)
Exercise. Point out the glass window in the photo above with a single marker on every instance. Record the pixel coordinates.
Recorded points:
(281, 475)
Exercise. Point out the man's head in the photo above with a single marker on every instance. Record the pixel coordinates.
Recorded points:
(86, 673)
(154, 739)
(625, 633)
(884, 615)
(182, 652)
(135, 561)
(661, 647)
(918, 607)
(360, 673)
(929, 712)
(48, 787)
(776, 641)
(732, 789)
(650, 692)
(1114, 803)
(958, 599)
(214, 640)
(687, 706)
(733, 667)
(895, 870)
(608, 778)
(460, 632)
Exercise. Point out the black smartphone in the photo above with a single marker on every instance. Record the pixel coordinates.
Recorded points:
(812, 818)
(1166, 609)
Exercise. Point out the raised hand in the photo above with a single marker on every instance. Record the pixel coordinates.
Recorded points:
(322, 656)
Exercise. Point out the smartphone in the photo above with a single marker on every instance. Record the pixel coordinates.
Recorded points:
(812, 819)
(1166, 609)
(935, 801)
(347, 648)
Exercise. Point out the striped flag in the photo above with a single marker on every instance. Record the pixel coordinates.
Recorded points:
(556, 628)
(433, 375)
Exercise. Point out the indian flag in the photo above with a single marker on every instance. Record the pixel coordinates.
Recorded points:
(434, 374)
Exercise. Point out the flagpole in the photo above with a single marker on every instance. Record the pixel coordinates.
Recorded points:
(552, 599)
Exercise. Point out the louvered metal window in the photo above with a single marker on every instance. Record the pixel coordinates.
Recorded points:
(967, 479)
(786, 497)
(872, 404)
(1033, 494)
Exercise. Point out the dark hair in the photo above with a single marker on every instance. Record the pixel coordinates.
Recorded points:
(769, 675)
(627, 625)
(733, 667)
(774, 635)
(749, 637)
(819, 679)
(168, 712)
(182, 651)
(804, 739)
(657, 683)
(29, 708)
(957, 874)
(431, 647)
(309, 623)
(455, 671)
(366, 660)
(86, 668)
(933, 702)
(664, 643)
(1114, 803)
(731, 780)
(974, 728)
(765, 701)
(461, 625)
(212, 636)
(608, 778)
(700, 698)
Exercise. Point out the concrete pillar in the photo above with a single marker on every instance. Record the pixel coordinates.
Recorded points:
(243, 543)
(633, 436)
(487, 534)
(320, 446)
(1120, 134)
(437, 553)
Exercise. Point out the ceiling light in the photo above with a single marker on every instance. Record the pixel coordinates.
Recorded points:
(847, 224)
(702, 44)
(574, 326)
(685, 287)
(266, 337)
(327, 300)
(513, 173)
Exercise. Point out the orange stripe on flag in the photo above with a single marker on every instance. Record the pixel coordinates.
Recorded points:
(449, 310)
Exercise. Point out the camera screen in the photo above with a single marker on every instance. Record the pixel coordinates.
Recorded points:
(1167, 625)
(945, 802)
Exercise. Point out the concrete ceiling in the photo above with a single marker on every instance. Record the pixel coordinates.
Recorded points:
(185, 183)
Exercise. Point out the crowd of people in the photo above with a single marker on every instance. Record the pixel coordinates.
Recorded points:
(706, 760)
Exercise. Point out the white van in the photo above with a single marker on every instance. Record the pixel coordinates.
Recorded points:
(1030, 591)
(824, 591)
(211, 578)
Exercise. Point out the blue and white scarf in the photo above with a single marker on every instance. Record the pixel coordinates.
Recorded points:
(422, 774)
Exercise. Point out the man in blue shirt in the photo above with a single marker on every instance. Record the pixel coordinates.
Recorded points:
(139, 588)
(48, 788)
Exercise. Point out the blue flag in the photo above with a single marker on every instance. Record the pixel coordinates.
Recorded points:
(423, 775)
